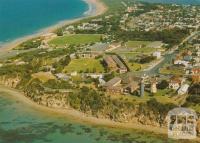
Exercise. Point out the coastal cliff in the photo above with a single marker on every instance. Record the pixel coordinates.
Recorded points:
(10, 82)
(100, 105)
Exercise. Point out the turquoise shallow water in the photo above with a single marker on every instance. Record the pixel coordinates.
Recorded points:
(23, 17)
(21, 123)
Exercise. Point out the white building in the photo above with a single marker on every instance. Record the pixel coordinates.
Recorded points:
(183, 89)
(157, 54)
(180, 62)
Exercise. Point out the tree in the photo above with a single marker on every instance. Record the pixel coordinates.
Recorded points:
(59, 32)
(163, 84)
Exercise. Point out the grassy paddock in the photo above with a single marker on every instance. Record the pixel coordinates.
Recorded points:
(76, 39)
(84, 65)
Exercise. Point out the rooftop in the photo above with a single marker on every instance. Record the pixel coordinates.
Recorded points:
(113, 82)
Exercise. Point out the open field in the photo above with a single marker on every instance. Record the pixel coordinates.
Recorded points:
(84, 65)
(137, 44)
(43, 76)
(75, 39)
(145, 50)
(172, 71)
(160, 96)
(144, 47)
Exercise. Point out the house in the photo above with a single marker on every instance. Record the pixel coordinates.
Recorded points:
(131, 9)
(157, 54)
(114, 86)
(175, 83)
(183, 89)
(196, 71)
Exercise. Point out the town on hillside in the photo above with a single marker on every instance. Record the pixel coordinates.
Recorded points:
(141, 52)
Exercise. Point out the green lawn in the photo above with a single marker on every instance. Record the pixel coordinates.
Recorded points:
(75, 39)
(136, 66)
(84, 65)
(169, 71)
(43, 76)
(145, 50)
(137, 44)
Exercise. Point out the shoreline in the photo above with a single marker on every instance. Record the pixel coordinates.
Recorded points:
(79, 117)
(96, 8)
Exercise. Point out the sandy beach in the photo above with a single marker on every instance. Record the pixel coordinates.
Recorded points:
(96, 8)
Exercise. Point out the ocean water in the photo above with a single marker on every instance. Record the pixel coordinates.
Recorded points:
(22, 123)
(190, 2)
(19, 18)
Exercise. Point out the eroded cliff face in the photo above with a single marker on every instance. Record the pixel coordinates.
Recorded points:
(10, 82)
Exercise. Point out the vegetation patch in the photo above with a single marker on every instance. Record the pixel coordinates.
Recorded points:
(30, 44)
(76, 39)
